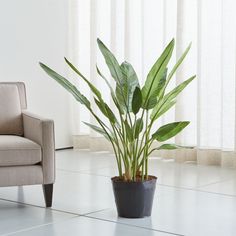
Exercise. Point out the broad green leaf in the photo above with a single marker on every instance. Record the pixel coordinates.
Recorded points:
(152, 101)
(167, 101)
(97, 129)
(161, 83)
(136, 100)
(125, 90)
(114, 68)
(177, 90)
(106, 110)
(120, 98)
(110, 114)
(129, 131)
(169, 130)
(111, 62)
(138, 127)
(67, 85)
(101, 106)
(171, 147)
(156, 74)
(119, 107)
(156, 112)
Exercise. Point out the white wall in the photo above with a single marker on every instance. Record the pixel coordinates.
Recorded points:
(33, 31)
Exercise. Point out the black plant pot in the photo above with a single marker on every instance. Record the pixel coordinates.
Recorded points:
(134, 199)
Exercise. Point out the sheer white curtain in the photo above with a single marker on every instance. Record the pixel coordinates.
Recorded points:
(137, 31)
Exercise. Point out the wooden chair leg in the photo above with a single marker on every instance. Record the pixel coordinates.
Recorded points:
(48, 193)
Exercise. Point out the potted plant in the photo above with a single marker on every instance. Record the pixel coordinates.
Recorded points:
(130, 129)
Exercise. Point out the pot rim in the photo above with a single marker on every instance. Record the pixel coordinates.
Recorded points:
(114, 179)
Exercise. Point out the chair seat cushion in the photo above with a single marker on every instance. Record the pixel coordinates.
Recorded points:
(18, 151)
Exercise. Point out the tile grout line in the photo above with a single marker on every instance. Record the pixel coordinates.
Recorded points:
(81, 172)
(32, 205)
(84, 171)
(92, 212)
(198, 190)
(39, 226)
(53, 209)
(135, 226)
(216, 182)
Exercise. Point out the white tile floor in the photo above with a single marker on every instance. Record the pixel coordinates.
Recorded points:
(189, 200)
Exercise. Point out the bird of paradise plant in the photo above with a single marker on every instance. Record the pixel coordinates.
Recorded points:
(138, 108)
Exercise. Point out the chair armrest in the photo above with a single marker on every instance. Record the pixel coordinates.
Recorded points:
(41, 131)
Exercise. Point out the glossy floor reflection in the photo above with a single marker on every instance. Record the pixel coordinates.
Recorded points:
(189, 200)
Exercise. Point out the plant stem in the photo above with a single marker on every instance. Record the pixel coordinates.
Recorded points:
(146, 149)
(134, 154)
(119, 152)
(111, 140)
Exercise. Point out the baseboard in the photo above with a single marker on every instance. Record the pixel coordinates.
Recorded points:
(65, 148)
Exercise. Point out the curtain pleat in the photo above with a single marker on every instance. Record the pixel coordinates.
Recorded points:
(137, 31)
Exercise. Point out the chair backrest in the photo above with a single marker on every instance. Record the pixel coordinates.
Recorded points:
(12, 101)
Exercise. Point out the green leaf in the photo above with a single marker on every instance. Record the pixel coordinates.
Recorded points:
(169, 147)
(101, 104)
(111, 62)
(156, 74)
(169, 130)
(125, 90)
(105, 79)
(91, 86)
(167, 101)
(112, 92)
(172, 147)
(136, 100)
(97, 129)
(110, 114)
(161, 83)
(156, 112)
(104, 108)
(138, 127)
(114, 68)
(152, 101)
(67, 85)
(177, 90)
(129, 131)
(178, 63)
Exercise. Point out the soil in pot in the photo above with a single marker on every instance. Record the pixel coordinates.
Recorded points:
(134, 199)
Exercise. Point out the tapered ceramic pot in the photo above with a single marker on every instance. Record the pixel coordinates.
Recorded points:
(134, 199)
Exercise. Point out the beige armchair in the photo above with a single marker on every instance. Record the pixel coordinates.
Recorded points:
(27, 153)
